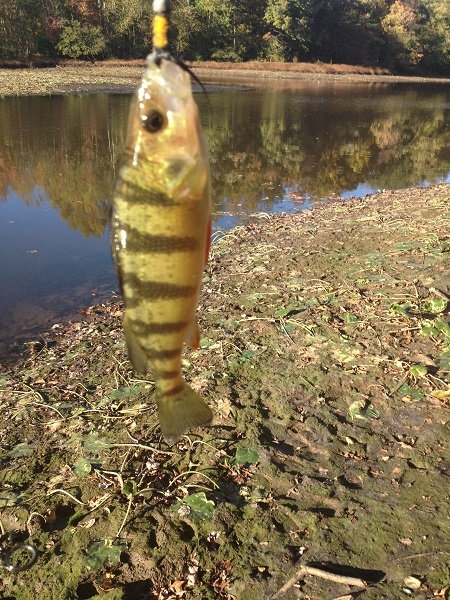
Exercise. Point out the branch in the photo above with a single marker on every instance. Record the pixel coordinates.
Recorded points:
(304, 570)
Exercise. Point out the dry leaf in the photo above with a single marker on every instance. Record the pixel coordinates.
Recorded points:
(177, 585)
(412, 582)
(87, 524)
(441, 394)
(405, 541)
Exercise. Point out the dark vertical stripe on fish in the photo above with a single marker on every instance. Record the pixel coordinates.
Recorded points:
(143, 328)
(162, 354)
(136, 195)
(173, 392)
(167, 374)
(155, 290)
(140, 241)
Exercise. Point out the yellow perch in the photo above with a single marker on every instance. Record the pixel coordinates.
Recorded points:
(160, 231)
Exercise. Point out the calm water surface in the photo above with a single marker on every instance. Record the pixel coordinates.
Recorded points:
(280, 146)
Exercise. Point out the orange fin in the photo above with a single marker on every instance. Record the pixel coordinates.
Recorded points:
(208, 240)
(193, 336)
(179, 414)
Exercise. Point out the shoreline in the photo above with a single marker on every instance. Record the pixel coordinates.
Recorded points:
(21, 345)
(24, 343)
(94, 79)
(325, 358)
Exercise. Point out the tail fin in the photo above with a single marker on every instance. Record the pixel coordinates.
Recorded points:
(179, 414)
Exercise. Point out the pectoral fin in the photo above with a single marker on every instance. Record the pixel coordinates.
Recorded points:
(135, 352)
(208, 240)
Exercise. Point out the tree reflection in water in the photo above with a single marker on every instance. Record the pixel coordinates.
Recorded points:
(271, 145)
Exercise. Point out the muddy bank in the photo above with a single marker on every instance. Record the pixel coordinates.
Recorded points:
(325, 357)
(91, 79)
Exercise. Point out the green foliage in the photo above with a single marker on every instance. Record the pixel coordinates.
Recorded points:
(435, 305)
(401, 34)
(125, 392)
(82, 467)
(444, 360)
(94, 444)
(413, 393)
(130, 488)
(360, 409)
(23, 449)
(418, 370)
(20, 27)
(289, 29)
(347, 31)
(195, 507)
(400, 27)
(245, 456)
(81, 41)
(9, 498)
(102, 553)
(402, 310)
(434, 34)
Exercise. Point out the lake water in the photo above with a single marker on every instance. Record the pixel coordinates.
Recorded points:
(275, 146)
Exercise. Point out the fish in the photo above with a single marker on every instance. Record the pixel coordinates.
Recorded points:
(160, 237)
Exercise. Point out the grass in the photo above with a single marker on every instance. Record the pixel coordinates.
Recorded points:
(299, 67)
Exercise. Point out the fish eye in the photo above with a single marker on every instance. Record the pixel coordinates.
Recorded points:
(153, 122)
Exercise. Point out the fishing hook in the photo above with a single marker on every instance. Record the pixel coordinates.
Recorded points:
(7, 554)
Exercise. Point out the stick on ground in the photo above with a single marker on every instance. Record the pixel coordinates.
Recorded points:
(304, 570)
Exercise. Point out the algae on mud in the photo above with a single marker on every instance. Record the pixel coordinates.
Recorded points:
(326, 354)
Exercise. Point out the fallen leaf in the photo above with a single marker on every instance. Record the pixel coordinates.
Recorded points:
(177, 585)
(88, 524)
(412, 582)
(405, 541)
(441, 394)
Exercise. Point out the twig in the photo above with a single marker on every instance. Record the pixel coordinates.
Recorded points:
(304, 570)
(193, 473)
(51, 408)
(421, 555)
(143, 447)
(126, 516)
(59, 491)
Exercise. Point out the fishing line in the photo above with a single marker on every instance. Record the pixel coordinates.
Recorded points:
(161, 25)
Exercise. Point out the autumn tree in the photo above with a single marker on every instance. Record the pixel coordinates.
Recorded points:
(20, 27)
(411, 35)
(289, 29)
(434, 34)
(347, 31)
(400, 26)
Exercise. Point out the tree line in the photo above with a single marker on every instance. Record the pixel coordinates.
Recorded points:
(402, 35)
